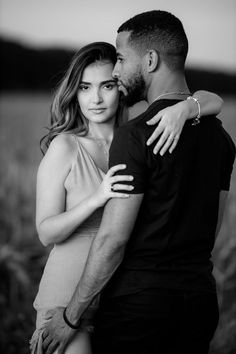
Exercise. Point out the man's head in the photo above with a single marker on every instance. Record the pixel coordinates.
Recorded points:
(146, 43)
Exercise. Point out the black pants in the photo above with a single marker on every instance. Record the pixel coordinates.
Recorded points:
(156, 321)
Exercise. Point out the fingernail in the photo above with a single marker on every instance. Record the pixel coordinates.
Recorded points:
(155, 152)
(148, 122)
(123, 166)
(148, 142)
(131, 178)
(131, 187)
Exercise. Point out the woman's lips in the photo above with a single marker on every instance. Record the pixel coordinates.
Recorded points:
(97, 110)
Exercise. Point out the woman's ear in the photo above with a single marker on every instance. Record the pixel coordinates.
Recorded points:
(152, 60)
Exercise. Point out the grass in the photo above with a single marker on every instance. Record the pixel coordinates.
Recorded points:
(22, 118)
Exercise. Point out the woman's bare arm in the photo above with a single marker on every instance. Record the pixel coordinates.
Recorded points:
(55, 224)
(171, 119)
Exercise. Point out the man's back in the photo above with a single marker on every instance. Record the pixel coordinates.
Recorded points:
(173, 237)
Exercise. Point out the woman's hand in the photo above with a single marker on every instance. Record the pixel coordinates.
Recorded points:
(109, 187)
(171, 121)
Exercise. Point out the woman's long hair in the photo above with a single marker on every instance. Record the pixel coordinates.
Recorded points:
(65, 113)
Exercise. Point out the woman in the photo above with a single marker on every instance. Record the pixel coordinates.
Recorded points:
(73, 183)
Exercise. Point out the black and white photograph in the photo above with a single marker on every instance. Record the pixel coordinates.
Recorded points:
(117, 177)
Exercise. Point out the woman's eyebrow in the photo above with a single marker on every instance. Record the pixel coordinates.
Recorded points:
(101, 83)
(108, 81)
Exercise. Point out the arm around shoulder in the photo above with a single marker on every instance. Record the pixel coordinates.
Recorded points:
(210, 103)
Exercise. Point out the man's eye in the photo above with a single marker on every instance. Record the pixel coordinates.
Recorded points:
(119, 60)
(83, 87)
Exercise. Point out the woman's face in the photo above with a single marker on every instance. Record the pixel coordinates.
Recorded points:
(98, 94)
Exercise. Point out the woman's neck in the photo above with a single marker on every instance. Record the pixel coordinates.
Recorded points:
(103, 131)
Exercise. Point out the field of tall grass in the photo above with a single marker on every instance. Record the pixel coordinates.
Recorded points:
(22, 121)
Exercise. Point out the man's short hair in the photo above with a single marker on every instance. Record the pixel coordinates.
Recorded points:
(160, 31)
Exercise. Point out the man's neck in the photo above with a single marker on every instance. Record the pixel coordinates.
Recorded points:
(173, 83)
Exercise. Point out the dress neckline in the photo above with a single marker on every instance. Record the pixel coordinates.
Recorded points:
(90, 156)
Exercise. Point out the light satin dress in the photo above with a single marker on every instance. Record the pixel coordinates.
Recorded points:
(67, 259)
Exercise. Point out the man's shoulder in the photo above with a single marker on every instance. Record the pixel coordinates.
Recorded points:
(214, 127)
(138, 124)
(228, 142)
(223, 133)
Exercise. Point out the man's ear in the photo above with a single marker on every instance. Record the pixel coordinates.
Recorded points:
(152, 60)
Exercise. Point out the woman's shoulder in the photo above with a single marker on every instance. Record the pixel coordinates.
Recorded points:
(64, 143)
(62, 150)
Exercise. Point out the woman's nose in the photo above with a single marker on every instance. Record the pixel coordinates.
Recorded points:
(97, 97)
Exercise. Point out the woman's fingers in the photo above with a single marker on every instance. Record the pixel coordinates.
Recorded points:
(117, 187)
(115, 168)
(173, 145)
(120, 195)
(161, 142)
(155, 119)
(119, 178)
(155, 134)
(167, 144)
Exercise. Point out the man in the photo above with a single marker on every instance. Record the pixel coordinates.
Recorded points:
(154, 257)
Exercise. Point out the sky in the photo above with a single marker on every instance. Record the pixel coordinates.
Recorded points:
(209, 24)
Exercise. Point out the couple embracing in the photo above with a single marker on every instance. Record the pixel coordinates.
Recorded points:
(132, 229)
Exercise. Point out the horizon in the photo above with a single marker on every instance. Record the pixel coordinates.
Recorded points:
(210, 25)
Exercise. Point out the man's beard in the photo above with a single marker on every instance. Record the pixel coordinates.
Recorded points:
(135, 88)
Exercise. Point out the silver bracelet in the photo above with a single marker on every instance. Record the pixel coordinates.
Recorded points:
(197, 119)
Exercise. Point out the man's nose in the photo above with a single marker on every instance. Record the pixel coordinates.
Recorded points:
(115, 72)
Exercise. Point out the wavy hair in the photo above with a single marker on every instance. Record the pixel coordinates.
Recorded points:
(65, 113)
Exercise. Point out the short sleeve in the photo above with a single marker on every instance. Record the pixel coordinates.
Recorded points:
(126, 148)
(227, 163)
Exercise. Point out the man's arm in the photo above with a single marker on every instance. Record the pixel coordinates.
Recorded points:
(106, 254)
(222, 203)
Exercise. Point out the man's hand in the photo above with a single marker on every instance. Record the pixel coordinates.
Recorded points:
(57, 334)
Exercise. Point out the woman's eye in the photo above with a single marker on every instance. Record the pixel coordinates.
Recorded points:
(120, 60)
(83, 87)
(109, 86)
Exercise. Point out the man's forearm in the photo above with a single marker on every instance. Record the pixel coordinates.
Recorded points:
(106, 252)
(104, 257)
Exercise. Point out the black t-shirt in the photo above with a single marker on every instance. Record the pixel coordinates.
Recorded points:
(171, 243)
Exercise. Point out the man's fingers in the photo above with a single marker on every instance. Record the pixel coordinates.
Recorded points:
(45, 334)
(49, 315)
(46, 342)
(61, 349)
